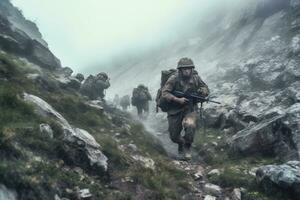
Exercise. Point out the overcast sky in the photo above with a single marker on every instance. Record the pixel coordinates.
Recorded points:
(84, 32)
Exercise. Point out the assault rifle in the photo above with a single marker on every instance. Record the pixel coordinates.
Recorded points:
(194, 99)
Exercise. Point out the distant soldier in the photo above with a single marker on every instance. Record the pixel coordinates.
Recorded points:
(140, 98)
(125, 102)
(182, 113)
(94, 86)
(116, 100)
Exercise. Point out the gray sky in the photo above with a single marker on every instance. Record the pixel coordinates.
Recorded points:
(84, 32)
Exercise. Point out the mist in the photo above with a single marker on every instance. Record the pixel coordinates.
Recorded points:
(89, 35)
(134, 40)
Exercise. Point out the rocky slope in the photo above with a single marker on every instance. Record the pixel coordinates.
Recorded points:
(250, 59)
(56, 144)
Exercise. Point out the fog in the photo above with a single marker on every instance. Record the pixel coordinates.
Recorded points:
(87, 35)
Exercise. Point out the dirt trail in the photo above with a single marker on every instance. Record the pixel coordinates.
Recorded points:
(156, 124)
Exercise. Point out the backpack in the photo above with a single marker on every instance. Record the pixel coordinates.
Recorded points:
(161, 102)
(139, 95)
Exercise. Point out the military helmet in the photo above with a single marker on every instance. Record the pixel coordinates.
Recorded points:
(103, 74)
(185, 63)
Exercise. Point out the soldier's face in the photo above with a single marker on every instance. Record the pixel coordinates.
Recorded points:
(186, 72)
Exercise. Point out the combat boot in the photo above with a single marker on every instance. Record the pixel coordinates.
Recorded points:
(187, 152)
(181, 150)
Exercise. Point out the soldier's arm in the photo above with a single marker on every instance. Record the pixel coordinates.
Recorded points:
(203, 88)
(168, 89)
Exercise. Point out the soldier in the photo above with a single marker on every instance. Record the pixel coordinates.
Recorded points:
(140, 98)
(125, 102)
(94, 86)
(181, 114)
(116, 100)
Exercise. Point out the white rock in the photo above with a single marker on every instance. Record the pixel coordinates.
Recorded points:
(212, 189)
(85, 193)
(147, 162)
(46, 130)
(199, 173)
(75, 136)
(208, 197)
(236, 194)
(215, 172)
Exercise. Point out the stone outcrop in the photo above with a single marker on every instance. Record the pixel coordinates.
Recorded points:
(285, 177)
(80, 147)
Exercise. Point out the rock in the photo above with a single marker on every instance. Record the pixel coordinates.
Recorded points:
(96, 104)
(277, 135)
(133, 147)
(80, 147)
(68, 82)
(85, 193)
(208, 197)
(236, 194)
(285, 177)
(216, 172)
(7, 194)
(42, 56)
(46, 130)
(253, 171)
(146, 162)
(66, 71)
(199, 173)
(212, 189)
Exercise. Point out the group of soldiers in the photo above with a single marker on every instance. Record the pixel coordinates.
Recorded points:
(140, 99)
(181, 111)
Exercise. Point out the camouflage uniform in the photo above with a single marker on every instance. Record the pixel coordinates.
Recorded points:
(141, 103)
(183, 116)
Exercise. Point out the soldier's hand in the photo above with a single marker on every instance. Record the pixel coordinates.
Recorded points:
(182, 100)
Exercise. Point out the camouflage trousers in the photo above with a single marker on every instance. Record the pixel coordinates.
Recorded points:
(142, 108)
(186, 121)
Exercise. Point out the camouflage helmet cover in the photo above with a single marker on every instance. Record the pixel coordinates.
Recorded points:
(185, 63)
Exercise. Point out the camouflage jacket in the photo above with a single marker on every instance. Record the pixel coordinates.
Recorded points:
(175, 82)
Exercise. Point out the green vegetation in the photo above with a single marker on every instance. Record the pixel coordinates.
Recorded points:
(235, 170)
(34, 164)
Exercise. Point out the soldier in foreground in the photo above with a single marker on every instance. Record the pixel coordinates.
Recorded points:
(94, 86)
(125, 102)
(140, 99)
(182, 113)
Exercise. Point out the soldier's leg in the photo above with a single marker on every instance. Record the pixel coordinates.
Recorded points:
(175, 128)
(189, 124)
(146, 109)
(139, 110)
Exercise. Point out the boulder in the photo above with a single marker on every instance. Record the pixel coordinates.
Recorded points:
(66, 71)
(80, 147)
(212, 189)
(18, 42)
(285, 177)
(277, 135)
